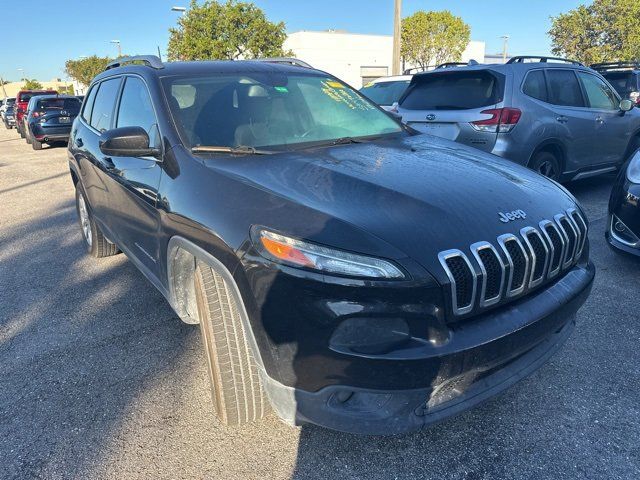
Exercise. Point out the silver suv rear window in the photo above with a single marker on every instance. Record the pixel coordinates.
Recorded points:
(462, 90)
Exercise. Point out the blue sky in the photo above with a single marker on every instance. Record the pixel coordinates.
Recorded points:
(73, 28)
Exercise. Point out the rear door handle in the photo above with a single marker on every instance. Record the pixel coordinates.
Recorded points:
(78, 142)
(562, 119)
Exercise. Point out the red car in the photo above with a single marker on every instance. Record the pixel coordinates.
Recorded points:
(22, 99)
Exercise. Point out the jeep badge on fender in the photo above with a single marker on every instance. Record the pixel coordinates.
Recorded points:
(510, 216)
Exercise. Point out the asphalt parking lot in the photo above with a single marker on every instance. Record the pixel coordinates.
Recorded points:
(100, 379)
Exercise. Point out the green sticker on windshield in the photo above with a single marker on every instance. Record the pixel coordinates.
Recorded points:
(281, 89)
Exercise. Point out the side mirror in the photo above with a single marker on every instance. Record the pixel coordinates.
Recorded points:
(127, 142)
(626, 105)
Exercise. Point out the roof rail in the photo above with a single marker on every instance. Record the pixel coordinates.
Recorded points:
(149, 60)
(408, 71)
(541, 59)
(614, 66)
(285, 60)
(470, 63)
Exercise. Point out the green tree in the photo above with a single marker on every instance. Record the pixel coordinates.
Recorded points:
(606, 30)
(31, 84)
(430, 38)
(226, 31)
(84, 69)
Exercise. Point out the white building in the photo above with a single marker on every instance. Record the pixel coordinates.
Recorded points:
(353, 57)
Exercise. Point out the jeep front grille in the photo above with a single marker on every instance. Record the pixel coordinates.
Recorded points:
(520, 263)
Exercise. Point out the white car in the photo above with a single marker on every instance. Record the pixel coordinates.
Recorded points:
(6, 102)
(385, 91)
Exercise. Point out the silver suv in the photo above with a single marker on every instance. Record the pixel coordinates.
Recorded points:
(556, 116)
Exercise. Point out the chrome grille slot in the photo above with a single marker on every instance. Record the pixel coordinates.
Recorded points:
(518, 263)
(463, 280)
(493, 272)
(581, 227)
(557, 244)
(539, 253)
(570, 236)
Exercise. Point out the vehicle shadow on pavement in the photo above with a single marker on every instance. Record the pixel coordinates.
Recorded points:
(80, 340)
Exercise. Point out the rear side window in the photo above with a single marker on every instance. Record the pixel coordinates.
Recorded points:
(88, 105)
(104, 104)
(535, 85)
(564, 88)
(454, 91)
(136, 109)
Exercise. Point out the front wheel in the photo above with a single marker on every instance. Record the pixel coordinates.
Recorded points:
(545, 163)
(237, 392)
(95, 242)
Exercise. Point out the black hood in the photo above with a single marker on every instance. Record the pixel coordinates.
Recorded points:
(420, 194)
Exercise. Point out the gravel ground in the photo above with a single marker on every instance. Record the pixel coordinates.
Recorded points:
(100, 379)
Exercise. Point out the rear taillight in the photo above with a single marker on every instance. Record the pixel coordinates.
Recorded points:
(635, 97)
(502, 120)
(37, 114)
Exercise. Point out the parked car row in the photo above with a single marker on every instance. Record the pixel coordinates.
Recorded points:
(41, 116)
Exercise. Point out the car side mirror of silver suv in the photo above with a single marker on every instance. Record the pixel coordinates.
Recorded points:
(626, 105)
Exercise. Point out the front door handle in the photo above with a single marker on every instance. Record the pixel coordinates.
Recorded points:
(562, 119)
(78, 142)
(599, 119)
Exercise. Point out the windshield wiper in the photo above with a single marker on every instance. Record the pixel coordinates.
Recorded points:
(347, 140)
(241, 150)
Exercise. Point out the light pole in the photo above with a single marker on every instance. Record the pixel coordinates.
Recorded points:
(117, 42)
(21, 70)
(397, 10)
(505, 41)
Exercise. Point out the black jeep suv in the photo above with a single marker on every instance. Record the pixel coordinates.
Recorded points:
(344, 270)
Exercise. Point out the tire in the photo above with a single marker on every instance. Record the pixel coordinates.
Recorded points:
(95, 242)
(35, 144)
(236, 389)
(20, 131)
(546, 163)
(27, 135)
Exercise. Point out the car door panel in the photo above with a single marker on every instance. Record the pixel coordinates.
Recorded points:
(134, 181)
(611, 128)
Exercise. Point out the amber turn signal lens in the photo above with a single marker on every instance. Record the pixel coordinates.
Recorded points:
(286, 252)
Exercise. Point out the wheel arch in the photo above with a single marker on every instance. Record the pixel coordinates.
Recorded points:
(182, 255)
(556, 148)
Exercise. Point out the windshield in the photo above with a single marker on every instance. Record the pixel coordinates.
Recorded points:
(454, 90)
(385, 93)
(268, 110)
(621, 81)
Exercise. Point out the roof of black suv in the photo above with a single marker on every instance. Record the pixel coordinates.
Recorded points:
(214, 66)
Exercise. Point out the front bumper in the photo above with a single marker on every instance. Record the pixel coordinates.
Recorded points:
(484, 356)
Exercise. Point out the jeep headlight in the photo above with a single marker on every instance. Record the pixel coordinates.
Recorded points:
(299, 253)
(633, 170)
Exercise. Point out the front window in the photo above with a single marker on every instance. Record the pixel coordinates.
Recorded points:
(269, 110)
(385, 93)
